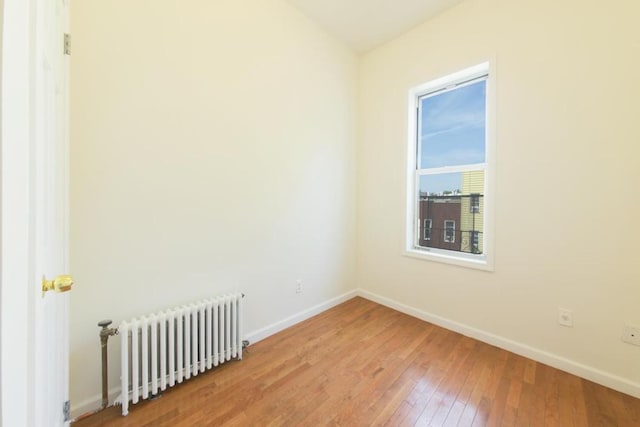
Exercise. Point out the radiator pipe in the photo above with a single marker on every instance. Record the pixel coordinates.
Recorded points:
(105, 333)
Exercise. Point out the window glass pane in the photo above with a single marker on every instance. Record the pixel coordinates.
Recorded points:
(452, 129)
(453, 204)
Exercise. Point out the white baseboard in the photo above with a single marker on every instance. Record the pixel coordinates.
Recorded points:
(606, 379)
(274, 328)
(93, 403)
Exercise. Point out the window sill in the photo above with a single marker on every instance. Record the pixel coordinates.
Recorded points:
(476, 262)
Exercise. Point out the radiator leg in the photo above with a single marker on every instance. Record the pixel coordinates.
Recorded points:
(105, 333)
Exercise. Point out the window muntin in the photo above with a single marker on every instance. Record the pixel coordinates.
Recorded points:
(450, 151)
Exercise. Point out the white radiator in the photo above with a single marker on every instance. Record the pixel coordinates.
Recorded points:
(165, 348)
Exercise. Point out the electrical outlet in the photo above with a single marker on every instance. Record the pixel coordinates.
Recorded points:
(631, 334)
(298, 286)
(565, 317)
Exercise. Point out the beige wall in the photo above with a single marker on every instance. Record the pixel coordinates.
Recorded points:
(567, 142)
(212, 149)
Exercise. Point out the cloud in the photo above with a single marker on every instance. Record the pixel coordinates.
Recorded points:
(460, 124)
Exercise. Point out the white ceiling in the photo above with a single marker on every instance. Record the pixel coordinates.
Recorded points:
(365, 24)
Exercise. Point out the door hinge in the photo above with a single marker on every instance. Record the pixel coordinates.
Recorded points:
(66, 411)
(67, 44)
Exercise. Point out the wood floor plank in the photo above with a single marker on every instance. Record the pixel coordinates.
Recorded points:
(525, 404)
(499, 403)
(577, 403)
(566, 416)
(363, 364)
(530, 371)
(631, 408)
(551, 399)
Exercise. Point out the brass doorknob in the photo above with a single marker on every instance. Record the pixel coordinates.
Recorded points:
(61, 283)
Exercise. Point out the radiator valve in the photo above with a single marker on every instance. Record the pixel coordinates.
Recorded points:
(105, 333)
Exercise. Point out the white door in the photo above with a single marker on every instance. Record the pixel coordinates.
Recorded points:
(34, 212)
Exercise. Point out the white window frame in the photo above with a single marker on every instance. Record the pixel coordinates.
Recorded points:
(453, 230)
(484, 261)
(424, 231)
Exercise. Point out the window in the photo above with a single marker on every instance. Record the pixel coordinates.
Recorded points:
(427, 229)
(450, 145)
(449, 231)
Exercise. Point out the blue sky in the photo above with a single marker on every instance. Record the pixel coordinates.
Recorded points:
(452, 133)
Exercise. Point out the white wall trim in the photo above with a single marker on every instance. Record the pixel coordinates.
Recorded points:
(93, 403)
(590, 373)
(274, 328)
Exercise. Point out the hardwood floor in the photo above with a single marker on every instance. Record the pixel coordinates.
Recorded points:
(362, 364)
